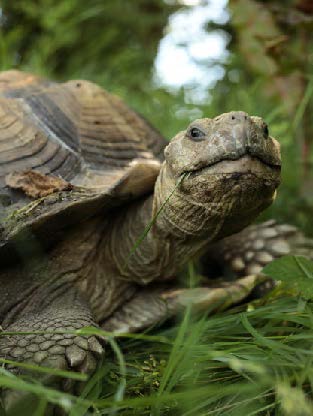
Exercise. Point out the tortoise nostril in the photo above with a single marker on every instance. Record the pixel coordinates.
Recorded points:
(239, 116)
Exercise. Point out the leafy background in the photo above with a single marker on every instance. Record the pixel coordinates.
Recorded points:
(247, 362)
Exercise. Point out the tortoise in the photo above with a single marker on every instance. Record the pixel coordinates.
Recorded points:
(99, 213)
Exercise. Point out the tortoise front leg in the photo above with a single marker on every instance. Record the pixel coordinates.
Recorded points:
(151, 306)
(248, 251)
(67, 312)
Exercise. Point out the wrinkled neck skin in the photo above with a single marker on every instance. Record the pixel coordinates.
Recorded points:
(183, 228)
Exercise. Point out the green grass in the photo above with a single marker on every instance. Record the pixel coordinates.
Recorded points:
(241, 362)
(255, 359)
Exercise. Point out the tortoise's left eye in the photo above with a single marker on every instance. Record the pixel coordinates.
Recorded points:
(196, 133)
(265, 130)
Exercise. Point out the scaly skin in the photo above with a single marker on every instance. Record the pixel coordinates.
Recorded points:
(228, 170)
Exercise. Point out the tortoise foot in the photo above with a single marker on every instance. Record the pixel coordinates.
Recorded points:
(48, 341)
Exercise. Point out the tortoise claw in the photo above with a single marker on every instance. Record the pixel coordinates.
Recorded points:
(75, 355)
(95, 347)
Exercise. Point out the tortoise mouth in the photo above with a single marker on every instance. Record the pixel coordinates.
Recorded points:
(245, 164)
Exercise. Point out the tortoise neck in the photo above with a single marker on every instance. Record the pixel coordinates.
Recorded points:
(150, 240)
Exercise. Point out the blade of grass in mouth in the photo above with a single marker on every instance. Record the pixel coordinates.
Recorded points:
(153, 220)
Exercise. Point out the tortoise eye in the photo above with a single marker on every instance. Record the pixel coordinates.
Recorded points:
(196, 133)
(265, 130)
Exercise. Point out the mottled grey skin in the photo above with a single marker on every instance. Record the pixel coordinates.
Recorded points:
(230, 174)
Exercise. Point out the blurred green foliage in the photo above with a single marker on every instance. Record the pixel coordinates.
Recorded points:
(114, 43)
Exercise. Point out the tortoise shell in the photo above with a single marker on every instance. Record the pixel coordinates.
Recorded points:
(67, 151)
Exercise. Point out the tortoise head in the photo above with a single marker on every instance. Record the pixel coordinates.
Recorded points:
(230, 169)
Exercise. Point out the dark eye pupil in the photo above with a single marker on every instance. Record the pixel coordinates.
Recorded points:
(195, 133)
(265, 130)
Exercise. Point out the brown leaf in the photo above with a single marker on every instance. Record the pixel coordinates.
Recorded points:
(35, 184)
